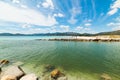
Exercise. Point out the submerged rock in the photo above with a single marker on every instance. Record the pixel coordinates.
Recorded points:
(29, 77)
(18, 63)
(55, 74)
(105, 77)
(49, 68)
(12, 71)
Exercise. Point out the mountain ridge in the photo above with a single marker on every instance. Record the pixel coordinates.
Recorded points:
(117, 32)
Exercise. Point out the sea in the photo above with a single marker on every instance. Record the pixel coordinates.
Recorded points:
(78, 60)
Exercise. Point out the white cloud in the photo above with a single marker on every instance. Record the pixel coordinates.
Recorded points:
(64, 28)
(48, 4)
(18, 15)
(87, 29)
(87, 20)
(74, 12)
(111, 24)
(26, 26)
(114, 7)
(113, 11)
(59, 15)
(38, 5)
(16, 1)
(72, 20)
(87, 24)
(79, 28)
(23, 6)
(115, 25)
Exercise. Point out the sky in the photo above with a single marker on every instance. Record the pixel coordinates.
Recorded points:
(49, 16)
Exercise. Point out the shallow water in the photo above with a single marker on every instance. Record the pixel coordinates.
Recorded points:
(79, 60)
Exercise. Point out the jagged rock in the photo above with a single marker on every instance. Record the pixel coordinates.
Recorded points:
(105, 77)
(55, 74)
(29, 77)
(4, 61)
(13, 71)
(8, 77)
(0, 70)
(62, 78)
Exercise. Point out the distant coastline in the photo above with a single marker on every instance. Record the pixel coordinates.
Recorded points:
(106, 38)
(63, 34)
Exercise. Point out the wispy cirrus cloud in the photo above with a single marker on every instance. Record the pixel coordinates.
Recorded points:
(114, 7)
(115, 25)
(74, 11)
(20, 15)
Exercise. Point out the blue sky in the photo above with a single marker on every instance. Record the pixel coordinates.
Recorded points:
(49, 16)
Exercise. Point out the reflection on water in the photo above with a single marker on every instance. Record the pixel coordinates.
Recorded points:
(83, 60)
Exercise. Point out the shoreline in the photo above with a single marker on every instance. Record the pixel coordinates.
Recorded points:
(16, 72)
(87, 39)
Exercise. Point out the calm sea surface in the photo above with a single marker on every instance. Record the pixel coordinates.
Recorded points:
(79, 60)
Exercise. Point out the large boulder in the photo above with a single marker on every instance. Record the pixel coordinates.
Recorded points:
(29, 77)
(9, 77)
(15, 71)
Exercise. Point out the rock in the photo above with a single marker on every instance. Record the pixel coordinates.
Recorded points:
(105, 77)
(49, 68)
(0, 70)
(4, 61)
(62, 78)
(29, 77)
(8, 77)
(13, 71)
(19, 63)
(55, 74)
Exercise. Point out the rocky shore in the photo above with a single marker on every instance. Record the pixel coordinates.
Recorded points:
(87, 39)
(15, 72)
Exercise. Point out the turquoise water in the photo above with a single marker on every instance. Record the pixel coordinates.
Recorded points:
(30, 37)
(79, 60)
